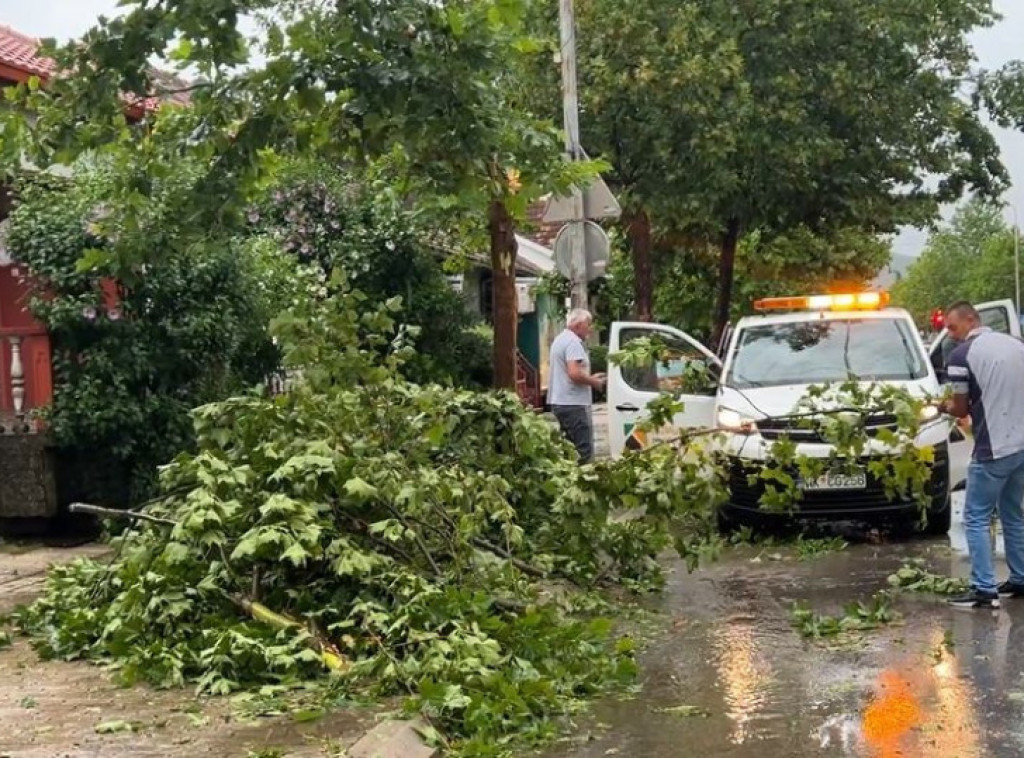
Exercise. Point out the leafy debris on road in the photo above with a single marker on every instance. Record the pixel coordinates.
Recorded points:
(914, 577)
(809, 548)
(384, 538)
(684, 710)
(857, 616)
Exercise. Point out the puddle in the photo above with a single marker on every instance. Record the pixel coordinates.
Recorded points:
(942, 683)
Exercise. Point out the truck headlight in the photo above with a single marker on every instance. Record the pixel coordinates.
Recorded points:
(734, 421)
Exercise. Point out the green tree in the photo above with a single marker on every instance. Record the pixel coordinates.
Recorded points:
(971, 258)
(1002, 92)
(685, 279)
(342, 82)
(722, 119)
(337, 219)
(137, 346)
(795, 263)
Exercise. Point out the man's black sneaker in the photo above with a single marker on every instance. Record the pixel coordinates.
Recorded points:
(975, 599)
(1009, 589)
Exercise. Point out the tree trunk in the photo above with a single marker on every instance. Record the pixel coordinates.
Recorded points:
(638, 231)
(726, 266)
(506, 312)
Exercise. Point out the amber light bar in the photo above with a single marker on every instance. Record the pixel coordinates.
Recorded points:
(854, 301)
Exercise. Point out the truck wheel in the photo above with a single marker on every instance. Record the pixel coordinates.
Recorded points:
(726, 524)
(939, 521)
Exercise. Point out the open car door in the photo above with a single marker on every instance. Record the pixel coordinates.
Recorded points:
(999, 316)
(631, 388)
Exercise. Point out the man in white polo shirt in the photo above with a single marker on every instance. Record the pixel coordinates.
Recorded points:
(986, 372)
(571, 385)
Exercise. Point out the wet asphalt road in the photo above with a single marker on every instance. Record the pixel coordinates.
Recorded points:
(941, 683)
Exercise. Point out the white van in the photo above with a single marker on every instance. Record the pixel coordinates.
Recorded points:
(769, 363)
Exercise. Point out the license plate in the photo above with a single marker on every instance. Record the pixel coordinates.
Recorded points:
(837, 480)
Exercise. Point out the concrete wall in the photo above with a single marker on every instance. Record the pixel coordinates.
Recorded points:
(27, 484)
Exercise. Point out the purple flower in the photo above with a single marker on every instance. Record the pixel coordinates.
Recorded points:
(89, 313)
(278, 196)
(254, 216)
(114, 314)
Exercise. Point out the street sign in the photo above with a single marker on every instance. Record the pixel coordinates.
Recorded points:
(596, 245)
(598, 203)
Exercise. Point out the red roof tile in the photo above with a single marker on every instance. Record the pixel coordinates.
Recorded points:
(18, 51)
(537, 230)
(21, 52)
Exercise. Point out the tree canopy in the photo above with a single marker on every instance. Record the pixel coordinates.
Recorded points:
(422, 81)
(722, 119)
(971, 258)
(138, 344)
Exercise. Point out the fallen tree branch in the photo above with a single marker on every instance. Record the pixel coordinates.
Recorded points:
(329, 654)
(417, 539)
(526, 568)
(97, 510)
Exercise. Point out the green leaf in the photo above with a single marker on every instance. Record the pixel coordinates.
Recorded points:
(307, 715)
(92, 259)
(360, 489)
(296, 553)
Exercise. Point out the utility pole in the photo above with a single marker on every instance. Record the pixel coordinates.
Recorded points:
(1016, 259)
(571, 116)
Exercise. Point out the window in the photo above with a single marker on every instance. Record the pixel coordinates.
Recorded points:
(682, 357)
(811, 352)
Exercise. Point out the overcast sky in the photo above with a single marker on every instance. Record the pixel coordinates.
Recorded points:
(995, 46)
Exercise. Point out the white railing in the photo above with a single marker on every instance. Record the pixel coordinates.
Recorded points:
(15, 413)
(17, 374)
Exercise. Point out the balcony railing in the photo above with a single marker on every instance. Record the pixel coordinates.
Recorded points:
(25, 378)
(528, 382)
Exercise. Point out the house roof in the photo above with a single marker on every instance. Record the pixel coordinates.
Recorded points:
(534, 257)
(19, 51)
(539, 230)
(20, 59)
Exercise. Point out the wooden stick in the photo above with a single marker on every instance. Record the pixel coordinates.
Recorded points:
(97, 510)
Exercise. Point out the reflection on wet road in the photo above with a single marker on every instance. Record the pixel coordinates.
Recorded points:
(940, 684)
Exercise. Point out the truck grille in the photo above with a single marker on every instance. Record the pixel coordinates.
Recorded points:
(873, 497)
(798, 431)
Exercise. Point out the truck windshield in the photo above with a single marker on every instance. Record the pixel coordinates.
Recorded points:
(813, 352)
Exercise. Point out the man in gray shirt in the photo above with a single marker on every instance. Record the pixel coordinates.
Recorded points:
(986, 373)
(570, 383)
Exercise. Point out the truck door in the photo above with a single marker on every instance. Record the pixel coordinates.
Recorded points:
(630, 389)
(999, 316)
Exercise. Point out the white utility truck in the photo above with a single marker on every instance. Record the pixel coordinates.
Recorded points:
(769, 362)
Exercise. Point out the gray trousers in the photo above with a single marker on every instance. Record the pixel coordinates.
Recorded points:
(577, 424)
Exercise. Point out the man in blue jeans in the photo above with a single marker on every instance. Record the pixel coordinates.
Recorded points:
(986, 372)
